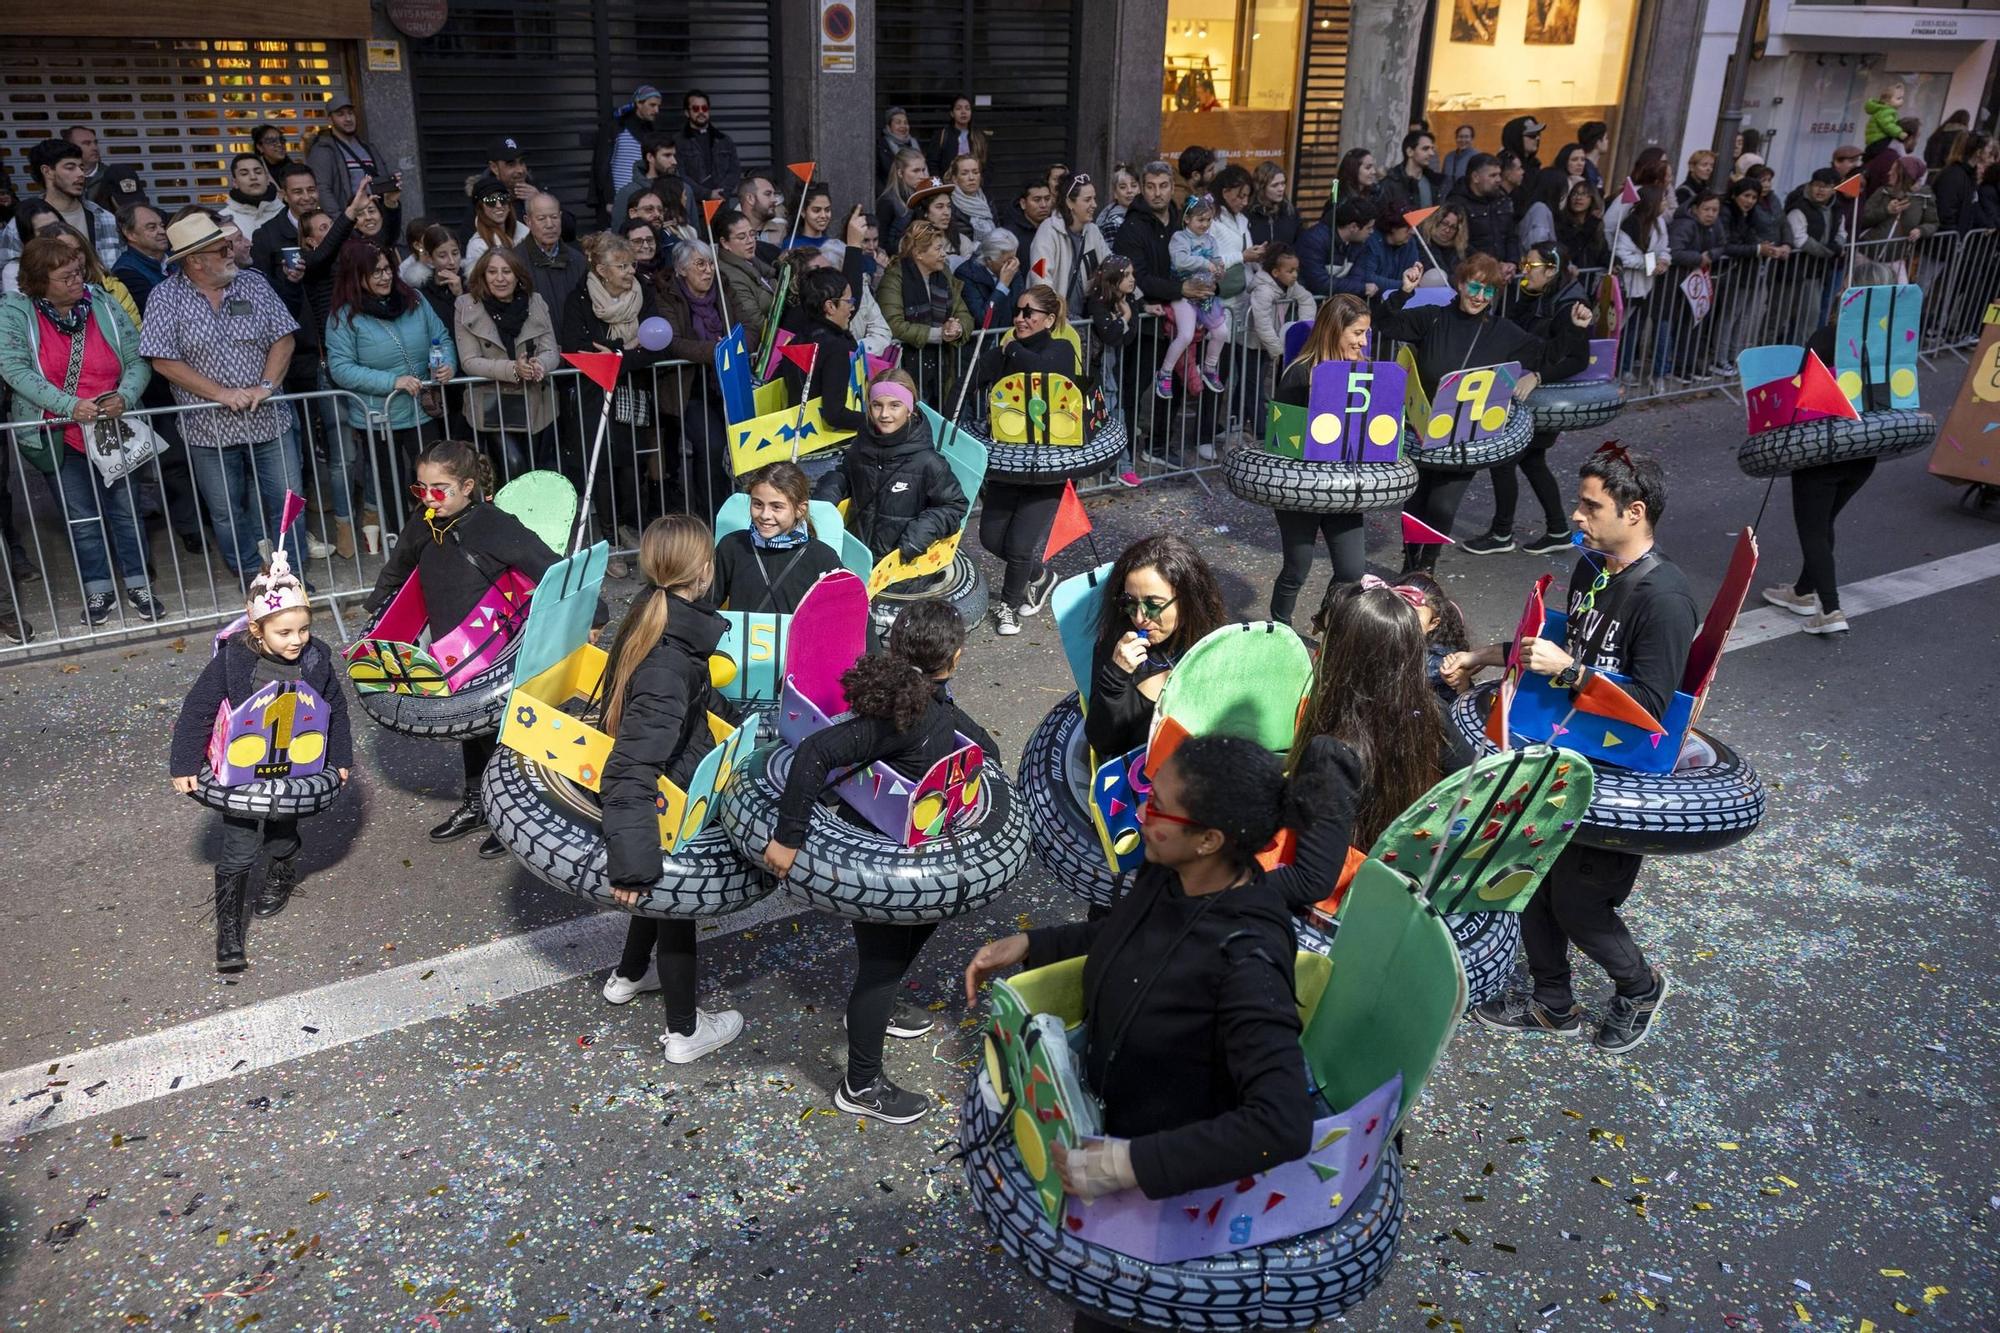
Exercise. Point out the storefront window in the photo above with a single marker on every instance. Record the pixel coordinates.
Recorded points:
(1561, 61)
(1230, 79)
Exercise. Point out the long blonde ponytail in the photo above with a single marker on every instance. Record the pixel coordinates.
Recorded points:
(674, 553)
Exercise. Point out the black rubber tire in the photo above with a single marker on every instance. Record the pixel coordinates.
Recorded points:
(1296, 1283)
(1488, 943)
(1514, 435)
(1065, 839)
(964, 586)
(1318, 488)
(854, 871)
(275, 798)
(1561, 407)
(472, 711)
(1711, 802)
(1041, 463)
(1887, 434)
(551, 825)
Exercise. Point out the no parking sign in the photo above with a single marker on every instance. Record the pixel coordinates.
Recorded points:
(836, 37)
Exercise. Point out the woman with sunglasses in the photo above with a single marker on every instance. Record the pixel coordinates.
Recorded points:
(1191, 1028)
(1162, 599)
(459, 545)
(494, 226)
(1015, 520)
(1466, 335)
(1068, 244)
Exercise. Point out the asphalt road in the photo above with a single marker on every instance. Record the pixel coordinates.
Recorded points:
(1806, 1142)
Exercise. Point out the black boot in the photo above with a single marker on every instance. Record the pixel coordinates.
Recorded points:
(468, 818)
(279, 881)
(230, 922)
(1410, 550)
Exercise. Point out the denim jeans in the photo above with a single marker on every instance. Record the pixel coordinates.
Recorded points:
(233, 479)
(92, 511)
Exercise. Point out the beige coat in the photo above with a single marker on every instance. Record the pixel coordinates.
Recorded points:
(482, 353)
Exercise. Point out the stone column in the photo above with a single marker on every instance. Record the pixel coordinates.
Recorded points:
(388, 106)
(1118, 96)
(1382, 41)
(828, 118)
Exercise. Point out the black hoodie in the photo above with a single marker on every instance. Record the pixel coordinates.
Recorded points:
(459, 559)
(1511, 138)
(903, 493)
(663, 730)
(1448, 339)
(230, 677)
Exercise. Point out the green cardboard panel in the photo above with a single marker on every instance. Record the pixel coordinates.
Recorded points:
(545, 502)
(1241, 680)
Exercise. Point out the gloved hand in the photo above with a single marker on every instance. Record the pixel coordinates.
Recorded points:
(1096, 1168)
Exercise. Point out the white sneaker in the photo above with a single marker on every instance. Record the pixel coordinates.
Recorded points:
(617, 990)
(711, 1033)
(1786, 598)
(1827, 622)
(317, 549)
(1205, 452)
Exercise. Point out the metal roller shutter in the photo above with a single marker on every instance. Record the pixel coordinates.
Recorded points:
(1023, 54)
(177, 109)
(551, 72)
(1322, 90)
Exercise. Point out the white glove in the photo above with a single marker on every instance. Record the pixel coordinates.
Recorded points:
(1096, 1168)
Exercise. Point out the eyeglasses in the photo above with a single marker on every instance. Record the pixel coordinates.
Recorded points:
(1537, 263)
(492, 198)
(1481, 291)
(1150, 607)
(1148, 812)
(430, 495)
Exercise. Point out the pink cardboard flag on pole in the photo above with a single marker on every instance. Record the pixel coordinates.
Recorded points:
(1629, 195)
(295, 505)
(1419, 533)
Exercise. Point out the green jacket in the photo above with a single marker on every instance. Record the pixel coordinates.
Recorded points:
(21, 367)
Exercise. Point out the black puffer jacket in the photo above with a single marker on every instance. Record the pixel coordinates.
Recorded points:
(1543, 314)
(1142, 238)
(664, 729)
(833, 356)
(1448, 339)
(1490, 228)
(459, 559)
(903, 493)
(228, 677)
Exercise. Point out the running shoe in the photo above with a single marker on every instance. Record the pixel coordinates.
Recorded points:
(1519, 1013)
(1163, 387)
(1038, 592)
(618, 990)
(148, 606)
(1210, 380)
(97, 608)
(1129, 478)
(1827, 622)
(1630, 1020)
(1787, 598)
(906, 1022)
(882, 1100)
(1491, 543)
(1005, 623)
(711, 1032)
(1550, 543)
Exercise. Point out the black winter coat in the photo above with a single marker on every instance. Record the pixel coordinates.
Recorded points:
(227, 677)
(1119, 717)
(749, 577)
(1142, 238)
(581, 329)
(1037, 352)
(664, 729)
(459, 560)
(859, 741)
(1688, 240)
(1957, 196)
(829, 374)
(1206, 1078)
(1490, 224)
(903, 494)
(1448, 339)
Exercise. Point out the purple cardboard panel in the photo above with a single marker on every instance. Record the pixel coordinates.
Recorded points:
(1354, 412)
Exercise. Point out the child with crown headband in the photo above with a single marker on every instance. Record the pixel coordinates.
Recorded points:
(273, 642)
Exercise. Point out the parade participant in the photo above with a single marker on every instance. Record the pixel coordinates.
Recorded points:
(902, 494)
(770, 565)
(1163, 599)
(903, 716)
(1341, 333)
(657, 698)
(1196, 259)
(275, 644)
(1191, 1028)
(1463, 335)
(828, 303)
(1630, 611)
(459, 545)
(1444, 631)
(1015, 520)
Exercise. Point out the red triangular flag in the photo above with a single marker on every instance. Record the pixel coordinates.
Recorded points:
(800, 354)
(1606, 698)
(1851, 187)
(1419, 533)
(1630, 194)
(1819, 393)
(1071, 522)
(708, 207)
(1040, 268)
(803, 170)
(601, 367)
(1415, 217)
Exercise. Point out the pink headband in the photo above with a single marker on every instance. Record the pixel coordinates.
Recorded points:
(1414, 596)
(891, 389)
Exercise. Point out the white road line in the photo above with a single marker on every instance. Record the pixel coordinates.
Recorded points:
(256, 1037)
(290, 1027)
(1876, 594)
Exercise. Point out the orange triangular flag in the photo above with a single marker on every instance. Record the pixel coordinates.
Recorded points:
(1415, 217)
(1851, 187)
(1605, 698)
(1167, 738)
(1819, 394)
(1071, 522)
(803, 170)
(601, 367)
(708, 207)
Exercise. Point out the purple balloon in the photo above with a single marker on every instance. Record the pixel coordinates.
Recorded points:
(655, 334)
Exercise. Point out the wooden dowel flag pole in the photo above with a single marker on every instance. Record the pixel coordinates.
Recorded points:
(1851, 187)
(804, 171)
(708, 207)
(602, 368)
(1416, 218)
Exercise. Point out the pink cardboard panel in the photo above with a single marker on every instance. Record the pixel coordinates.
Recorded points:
(829, 634)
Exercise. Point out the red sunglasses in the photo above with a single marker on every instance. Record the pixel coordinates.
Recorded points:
(435, 495)
(1148, 812)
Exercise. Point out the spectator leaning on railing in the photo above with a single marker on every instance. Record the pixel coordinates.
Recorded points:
(68, 351)
(56, 169)
(379, 342)
(505, 332)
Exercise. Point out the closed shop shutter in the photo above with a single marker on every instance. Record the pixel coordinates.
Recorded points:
(550, 73)
(1021, 53)
(1322, 89)
(177, 109)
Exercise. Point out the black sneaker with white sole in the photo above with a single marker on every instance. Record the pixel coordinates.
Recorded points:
(905, 1021)
(1630, 1019)
(148, 606)
(97, 607)
(1038, 592)
(882, 1100)
(1487, 544)
(1005, 623)
(1550, 543)
(1519, 1013)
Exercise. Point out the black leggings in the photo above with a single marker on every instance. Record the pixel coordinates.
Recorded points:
(1818, 496)
(1436, 502)
(883, 952)
(1346, 541)
(1014, 525)
(1578, 903)
(672, 943)
(1534, 465)
(476, 752)
(244, 838)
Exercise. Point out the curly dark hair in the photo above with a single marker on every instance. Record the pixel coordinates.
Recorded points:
(896, 684)
(1448, 622)
(1197, 595)
(1239, 789)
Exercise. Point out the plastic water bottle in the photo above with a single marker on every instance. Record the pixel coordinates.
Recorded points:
(439, 361)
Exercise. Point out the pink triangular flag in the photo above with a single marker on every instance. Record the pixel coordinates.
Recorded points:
(1630, 194)
(295, 505)
(1419, 533)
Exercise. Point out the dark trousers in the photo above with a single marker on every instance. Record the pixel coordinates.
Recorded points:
(1014, 525)
(244, 838)
(1533, 463)
(1438, 495)
(1299, 533)
(883, 952)
(1818, 496)
(671, 943)
(1578, 903)
(476, 753)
